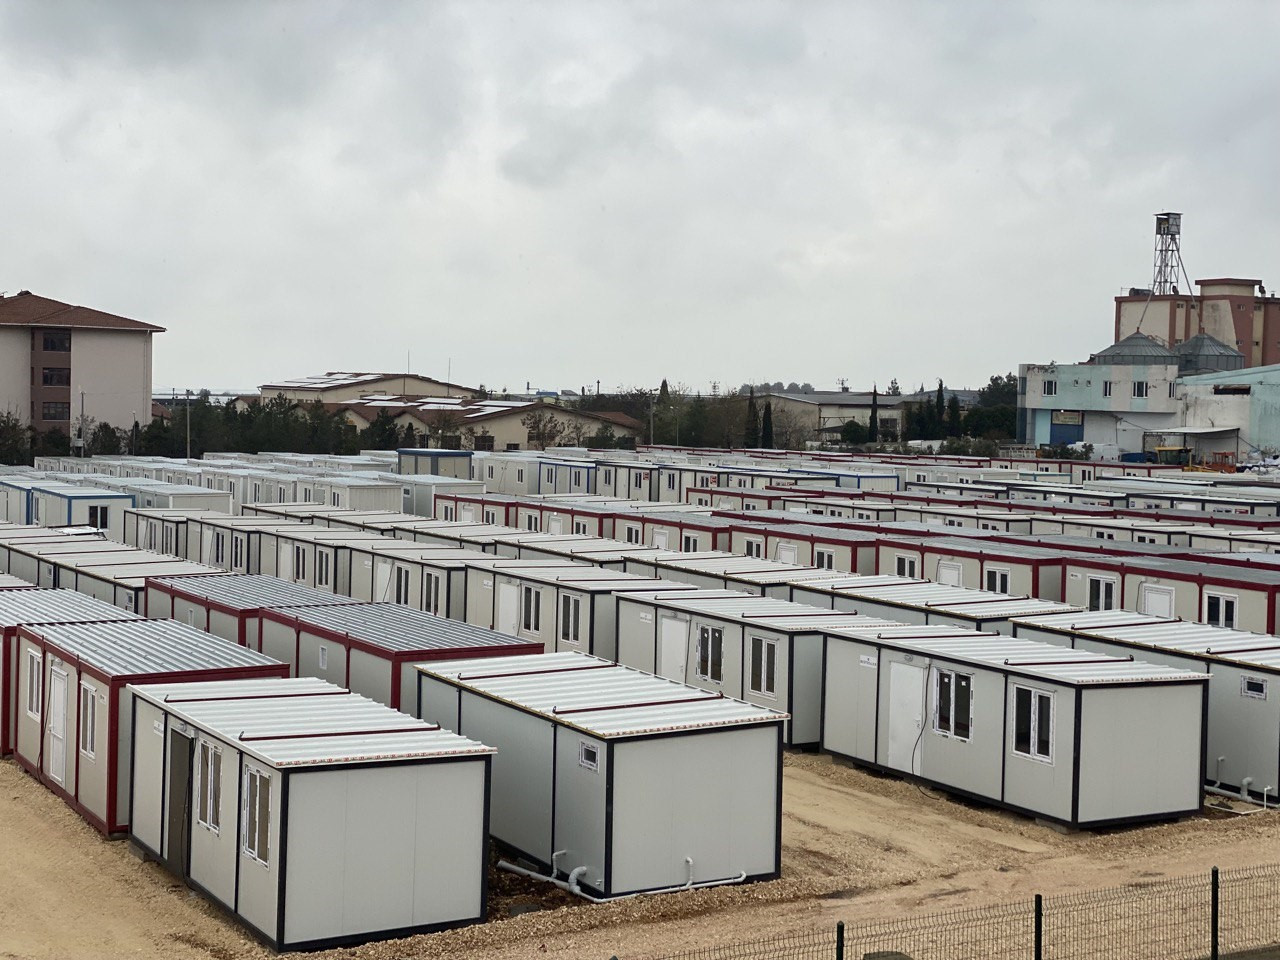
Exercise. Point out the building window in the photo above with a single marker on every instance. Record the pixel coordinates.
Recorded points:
(710, 664)
(1255, 688)
(88, 720)
(257, 816)
(905, 566)
(671, 481)
(35, 683)
(1051, 388)
(335, 499)
(824, 559)
(998, 580)
(322, 569)
(1171, 386)
(513, 446)
(1033, 724)
(1139, 389)
(580, 528)
(1220, 610)
(55, 411)
(607, 476)
(98, 517)
(753, 548)
(1102, 593)
(402, 585)
(689, 544)
(519, 470)
(431, 602)
(570, 613)
(551, 475)
(208, 786)
(237, 551)
(1104, 535)
(531, 522)
(490, 471)
(446, 512)
(299, 563)
(219, 548)
(953, 704)
(483, 441)
(764, 666)
(577, 478)
(1106, 388)
(322, 657)
(589, 756)
(633, 534)
(532, 604)
(56, 376)
(57, 342)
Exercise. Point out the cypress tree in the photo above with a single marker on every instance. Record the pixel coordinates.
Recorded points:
(751, 431)
(873, 425)
(766, 426)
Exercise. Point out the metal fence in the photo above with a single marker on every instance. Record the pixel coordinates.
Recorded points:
(1227, 915)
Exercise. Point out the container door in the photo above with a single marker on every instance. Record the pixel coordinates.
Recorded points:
(555, 524)
(786, 553)
(178, 807)
(1156, 601)
(381, 580)
(57, 767)
(673, 648)
(950, 573)
(906, 715)
(508, 620)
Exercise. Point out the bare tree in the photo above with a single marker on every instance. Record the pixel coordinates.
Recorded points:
(790, 432)
(544, 427)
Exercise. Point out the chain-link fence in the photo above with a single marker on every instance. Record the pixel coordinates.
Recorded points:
(1215, 916)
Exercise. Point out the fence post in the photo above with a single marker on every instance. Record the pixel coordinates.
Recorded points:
(1213, 915)
(1039, 927)
(840, 940)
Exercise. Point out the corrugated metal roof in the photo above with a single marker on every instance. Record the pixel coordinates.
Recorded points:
(597, 696)
(1182, 637)
(249, 591)
(55, 606)
(10, 582)
(146, 647)
(957, 601)
(401, 629)
(305, 722)
(1016, 655)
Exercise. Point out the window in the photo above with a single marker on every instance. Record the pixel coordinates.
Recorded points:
(322, 568)
(98, 517)
(446, 512)
(280, 495)
(219, 548)
(299, 563)
(1033, 724)
(824, 559)
(710, 664)
(998, 580)
(752, 547)
(55, 411)
(57, 342)
(257, 815)
(1139, 389)
(1106, 388)
(168, 540)
(764, 666)
(589, 756)
(671, 481)
(1051, 388)
(35, 683)
(1171, 385)
(335, 499)
(531, 602)
(1104, 535)
(639, 479)
(519, 474)
(689, 544)
(237, 551)
(577, 478)
(633, 534)
(607, 476)
(88, 720)
(483, 441)
(490, 470)
(56, 376)
(570, 612)
(402, 585)
(1144, 538)
(905, 566)
(208, 786)
(1102, 593)
(580, 528)
(953, 704)
(1220, 610)
(1253, 687)
(431, 602)
(551, 475)
(516, 446)
(531, 522)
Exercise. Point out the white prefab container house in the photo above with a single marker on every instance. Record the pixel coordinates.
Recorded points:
(419, 491)
(317, 557)
(1072, 737)
(72, 729)
(616, 781)
(228, 605)
(161, 530)
(371, 648)
(923, 602)
(764, 651)
(23, 607)
(233, 544)
(414, 574)
(121, 580)
(440, 463)
(66, 505)
(1242, 743)
(314, 816)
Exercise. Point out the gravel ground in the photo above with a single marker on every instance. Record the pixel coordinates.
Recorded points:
(856, 846)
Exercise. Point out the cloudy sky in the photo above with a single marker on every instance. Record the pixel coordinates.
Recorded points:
(555, 192)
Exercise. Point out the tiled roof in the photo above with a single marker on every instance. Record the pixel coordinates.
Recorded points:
(25, 309)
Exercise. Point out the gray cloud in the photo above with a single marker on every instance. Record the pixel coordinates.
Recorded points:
(565, 191)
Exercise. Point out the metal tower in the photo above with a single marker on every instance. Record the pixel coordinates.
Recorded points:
(1168, 259)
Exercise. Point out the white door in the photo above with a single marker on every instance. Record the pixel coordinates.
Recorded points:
(284, 561)
(660, 539)
(950, 573)
(1157, 601)
(467, 512)
(555, 525)
(673, 648)
(786, 553)
(57, 725)
(906, 715)
(381, 580)
(508, 619)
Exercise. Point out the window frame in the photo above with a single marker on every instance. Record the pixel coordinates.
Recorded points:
(1049, 388)
(88, 738)
(1002, 574)
(1223, 600)
(762, 667)
(1109, 583)
(208, 785)
(531, 608)
(255, 780)
(35, 684)
(708, 662)
(948, 726)
(1034, 700)
(1141, 389)
(824, 558)
(570, 618)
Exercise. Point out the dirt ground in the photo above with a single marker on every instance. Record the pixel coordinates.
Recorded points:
(856, 846)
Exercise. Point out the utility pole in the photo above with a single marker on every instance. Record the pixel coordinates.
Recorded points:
(652, 396)
(84, 447)
(188, 424)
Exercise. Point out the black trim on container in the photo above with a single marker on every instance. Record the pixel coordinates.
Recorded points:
(608, 821)
(1075, 759)
(282, 891)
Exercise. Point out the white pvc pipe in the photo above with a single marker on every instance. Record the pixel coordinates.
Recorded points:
(571, 885)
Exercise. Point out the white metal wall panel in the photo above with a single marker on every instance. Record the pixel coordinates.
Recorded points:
(849, 699)
(580, 805)
(148, 782)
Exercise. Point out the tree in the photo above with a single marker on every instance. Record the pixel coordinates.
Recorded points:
(104, 441)
(382, 434)
(664, 392)
(766, 426)
(751, 430)
(790, 431)
(894, 390)
(853, 433)
(999, 392)
(15, 441)
(954, 424)
(940, 404)
(543, 426)
(873, 423)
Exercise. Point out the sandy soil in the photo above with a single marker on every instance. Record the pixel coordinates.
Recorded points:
(856, 846)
